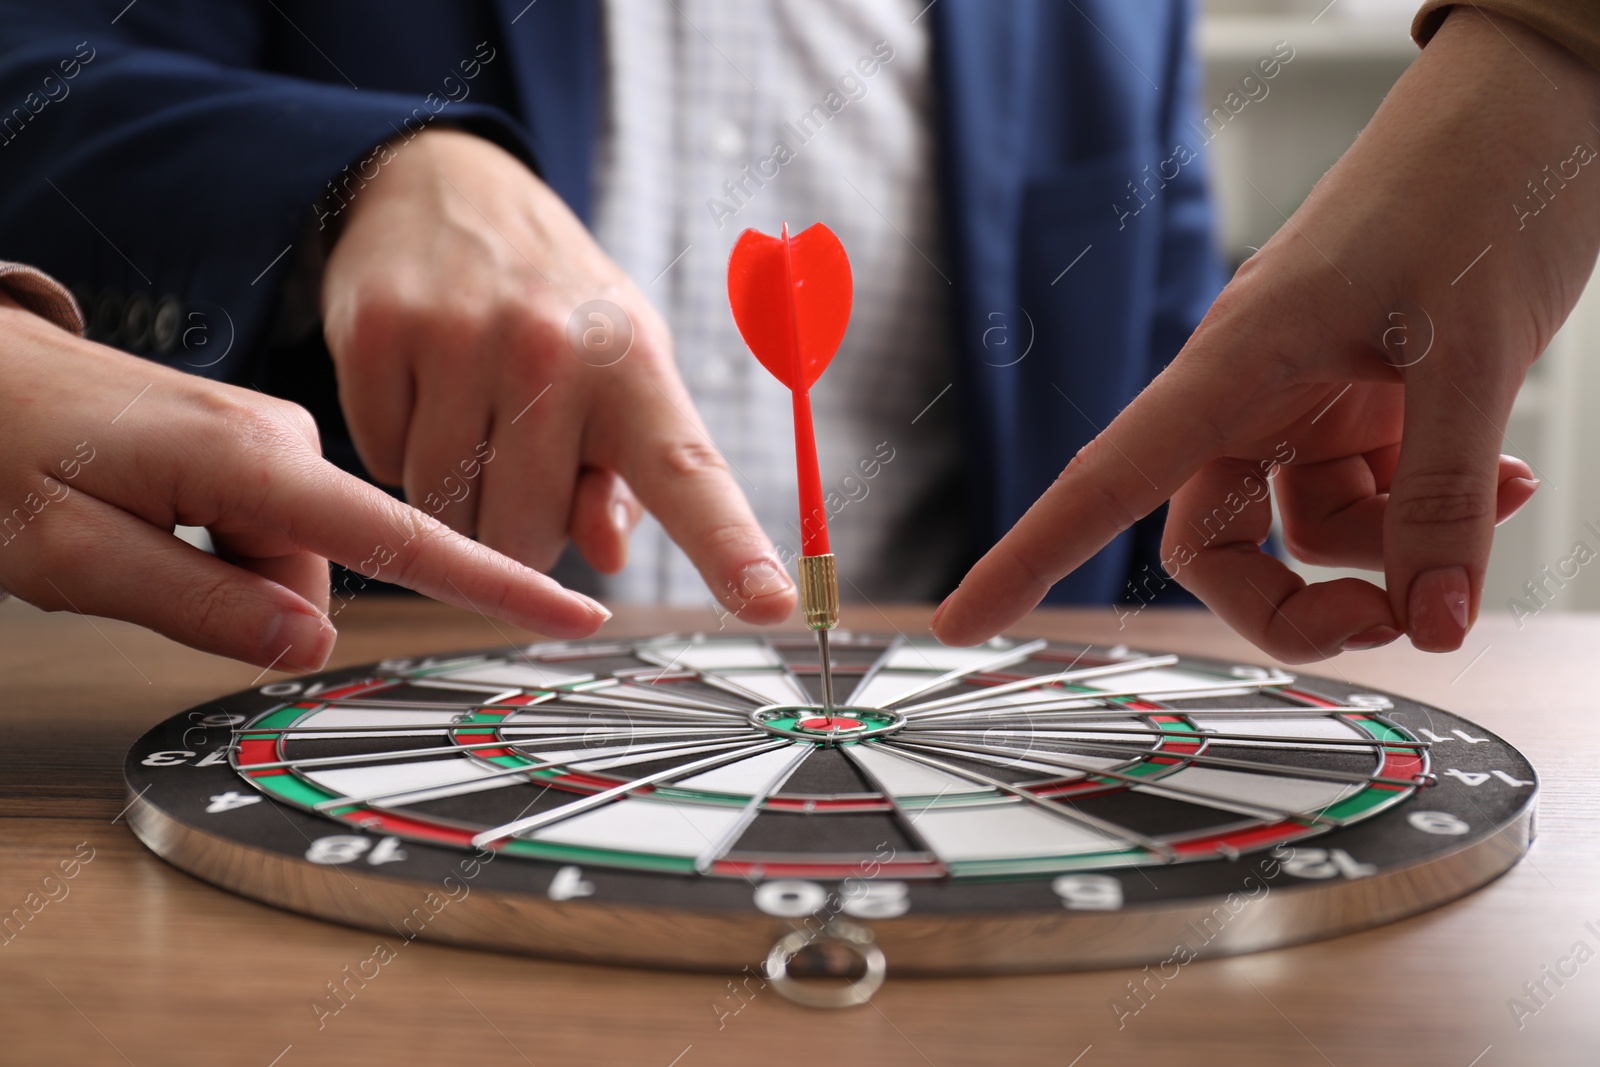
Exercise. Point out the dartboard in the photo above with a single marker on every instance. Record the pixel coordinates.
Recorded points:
(687, 801)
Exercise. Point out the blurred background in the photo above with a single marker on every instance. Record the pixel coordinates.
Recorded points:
(1347, 55)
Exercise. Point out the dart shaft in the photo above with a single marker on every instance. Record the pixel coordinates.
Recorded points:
(827, 673)
(813, 516)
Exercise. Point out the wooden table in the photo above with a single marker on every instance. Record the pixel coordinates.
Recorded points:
(139, 963)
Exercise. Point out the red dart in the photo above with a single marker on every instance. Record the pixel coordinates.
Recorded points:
(791, 300)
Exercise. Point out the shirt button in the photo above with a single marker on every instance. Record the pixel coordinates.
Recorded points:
(727, 139)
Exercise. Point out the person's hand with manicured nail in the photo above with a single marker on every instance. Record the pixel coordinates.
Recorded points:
(106, 453)
(1390, 458)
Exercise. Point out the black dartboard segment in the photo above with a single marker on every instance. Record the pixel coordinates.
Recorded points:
(684, 801)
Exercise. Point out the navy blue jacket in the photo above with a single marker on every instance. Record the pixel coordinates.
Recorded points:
(164, 159)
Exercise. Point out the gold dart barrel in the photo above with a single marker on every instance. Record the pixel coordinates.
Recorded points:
(819, 591)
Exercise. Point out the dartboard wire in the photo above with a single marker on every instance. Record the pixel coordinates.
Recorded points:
(594, 800)
(616, 746)
(716, 680)
(1064, 811)
(641, 651)
(788, 671)
(429, 729)
(663, 750)
(450, 749)
(892, 646)
(529, 732)
(1050, 712)
(626, 715)
(906, 819)
(1154, 784)
(1072, 674)
(488, 694)
(1090, 733)
(538, 697)
(597, 707)
(1276, 770)
(715, 850)
(660, 704)
(1072, 701)
(636, 713)
(710, 676)
(1281, 742)
(354, 731)
(591, 692)
(605, 762)
(634, 651)
(1015, 654)
(663, 701)
(1014, 753)
(1207, 800)
(595, 710)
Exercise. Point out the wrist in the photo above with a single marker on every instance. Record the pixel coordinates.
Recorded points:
(1445, 175)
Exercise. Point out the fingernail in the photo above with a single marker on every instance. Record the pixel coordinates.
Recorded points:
(298, 641)
(593, 605)
(940, 611)
(1532, 485)
(1438, 607)
(621, 518)
(1373, 637)
(762, 577)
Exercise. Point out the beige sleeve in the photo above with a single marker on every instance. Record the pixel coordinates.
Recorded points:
(42, 295)
(1572, 23)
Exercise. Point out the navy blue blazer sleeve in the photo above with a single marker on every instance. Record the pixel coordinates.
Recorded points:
(146, 159)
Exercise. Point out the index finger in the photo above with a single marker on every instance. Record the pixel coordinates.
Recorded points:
(338, 516)
(682, 479)
(1151, 449)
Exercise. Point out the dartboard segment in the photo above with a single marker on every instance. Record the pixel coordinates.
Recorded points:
(700, 776)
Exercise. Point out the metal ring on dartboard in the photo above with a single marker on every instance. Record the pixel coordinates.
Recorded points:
(830, 727)
(858, 939)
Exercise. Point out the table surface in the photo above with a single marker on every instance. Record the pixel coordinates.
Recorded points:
(139, 963)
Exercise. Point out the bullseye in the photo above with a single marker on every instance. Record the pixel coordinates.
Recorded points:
(836, 723)
(812, 723)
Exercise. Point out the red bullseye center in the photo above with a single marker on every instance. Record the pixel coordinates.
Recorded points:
(838, 722)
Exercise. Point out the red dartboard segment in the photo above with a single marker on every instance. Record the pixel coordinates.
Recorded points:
(1401, 764)
(383, 822)
(257, 751)
(1242, 841)
(346, 691)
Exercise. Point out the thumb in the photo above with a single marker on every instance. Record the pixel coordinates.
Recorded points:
(1439, 524)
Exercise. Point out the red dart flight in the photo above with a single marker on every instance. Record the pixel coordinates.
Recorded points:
(791, 300)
